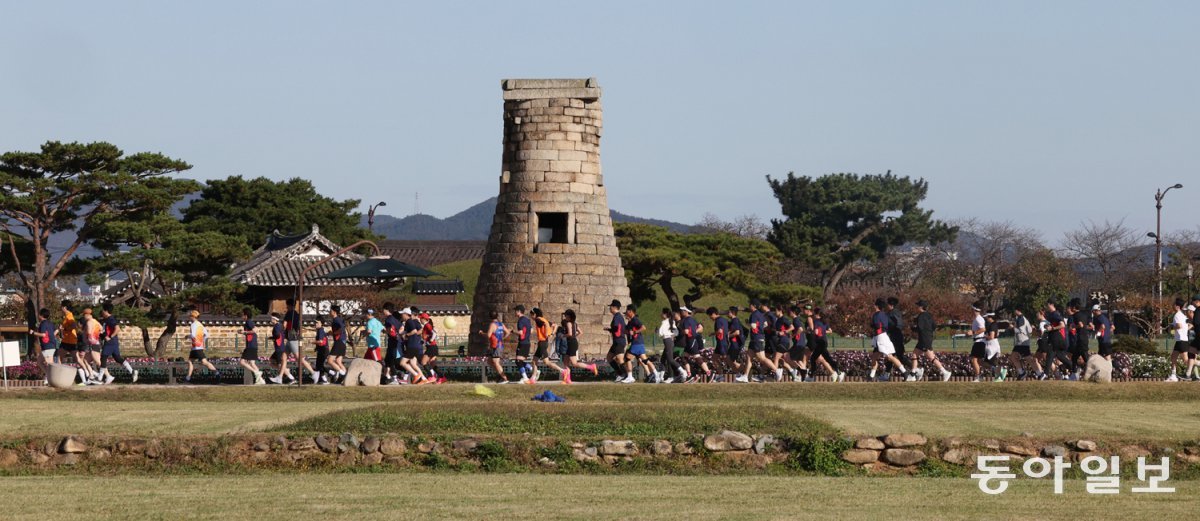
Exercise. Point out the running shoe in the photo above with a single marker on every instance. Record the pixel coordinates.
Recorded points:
(595, 372)
(135, 376)
(946, 375)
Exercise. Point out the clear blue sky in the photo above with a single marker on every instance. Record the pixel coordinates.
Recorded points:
(1043, 113)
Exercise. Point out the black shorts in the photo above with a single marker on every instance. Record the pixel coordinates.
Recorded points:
(1022, 350)
(617, 348)
(572, 346)
(250, 353)
(734, 352)
(413, 351)
(770, 345)
(757, 346)
(1043, 345)
(979, 350)
(431, 350)
(722, 348)
(782, 344)
(1181, 346)
(67, 348)
(543, 350)
(1057, 342)
(1105, 348)
(277, 357)
(196, 354)
(523, 350)
(339, 349)
(796, 353)
(693, 347)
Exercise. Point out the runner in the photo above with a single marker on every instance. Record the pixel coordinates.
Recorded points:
(616, 352)
(429, 359)
(321, 343)
(525, 336)
(820, 344)
(721, 333)
(109, 337)
(249, 358)
(198, 338)
(570, 355)
(1022, 336)
(1043, 346)
(90, 352)
(1179, 329)
(69, 345)
(883, 349)
(758, 341)
(414, 346)
(737, 344)
(1057, 329)
(278, 360)
(291, 325)
(924, 328)
(1195, 345)
(691, 332)
(1081, 326)
(668, 331)
(337, 328)
(391, 356)
(783, 327)
(895, 333)
(1104, 332)
(979, 349)
(544, 331)
(495, 336)
(47, 338)
(374, 331)
(637, 347)
(797, 355)
(993, 347)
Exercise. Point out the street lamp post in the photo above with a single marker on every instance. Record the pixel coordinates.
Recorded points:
(371, 216)
(1157, 235)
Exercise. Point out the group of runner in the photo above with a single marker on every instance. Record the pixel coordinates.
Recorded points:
(88, 342)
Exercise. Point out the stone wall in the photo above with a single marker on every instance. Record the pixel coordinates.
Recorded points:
(551, 177)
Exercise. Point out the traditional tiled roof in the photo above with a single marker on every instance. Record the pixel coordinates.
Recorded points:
(438, 287)
(121, 292)
(280, 261)
(427, 254)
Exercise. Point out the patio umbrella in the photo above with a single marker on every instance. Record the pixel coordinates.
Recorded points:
(379, 268)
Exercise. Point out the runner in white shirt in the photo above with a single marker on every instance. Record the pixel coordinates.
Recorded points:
(1179, 329)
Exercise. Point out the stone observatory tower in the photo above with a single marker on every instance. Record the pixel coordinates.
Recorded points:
(551, 244)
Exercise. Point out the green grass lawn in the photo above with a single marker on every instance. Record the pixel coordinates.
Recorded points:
(516, 496)
(1140, 411)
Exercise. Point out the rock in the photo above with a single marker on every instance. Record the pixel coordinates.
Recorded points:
(764, 443)
(1019, 450)
(349, 439)
(65, 459)
(37, 458)
(344, 448)
(326, 444)
(465, 445)
(577, 445)
(958, 457)
(1085, 446)
(585, 454)
(1098, 370)
(370, 446)
(262, 446)
(303, 445)
(860, 456)
(99, 455)
(50, 448)
(392, 447)
(72, 445)
(990, 444)
(131, 446)
(870, 444)
(9, 458)
(279, 443)
(903, 457)
(373, 458)
(897, 441)
(617, 448)
(1054, 451)
(365, 372)
(661, 448)
(952, 442)
(428, 447)
(547, 462)
(684, 449)
(347, 458)
(727, 440)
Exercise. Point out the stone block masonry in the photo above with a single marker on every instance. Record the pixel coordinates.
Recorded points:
(551, 244)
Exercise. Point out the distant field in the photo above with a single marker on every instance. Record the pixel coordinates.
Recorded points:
(515, 496)
(1147, 411)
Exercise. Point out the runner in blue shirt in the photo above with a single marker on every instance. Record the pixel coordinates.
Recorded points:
(249, 358)
(495, 336)
(110, 337)
(616, 352)
(637, 347)
(797, 355)
(392, 326)
(45, 334)
(525, 336)
(722, 335)
(1104, 332)
(414, 346)
(737, 342)
(337, 353)
(759, 326)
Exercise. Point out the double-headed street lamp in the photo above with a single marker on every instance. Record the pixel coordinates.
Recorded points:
(371, 215)
(1157, 236)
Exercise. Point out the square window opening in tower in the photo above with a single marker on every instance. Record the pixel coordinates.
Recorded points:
(552, 228)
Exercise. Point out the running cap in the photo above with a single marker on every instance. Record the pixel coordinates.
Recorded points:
(684, 309)
(370, 312)
(1096, 307)
(406, 311)
(424, 316)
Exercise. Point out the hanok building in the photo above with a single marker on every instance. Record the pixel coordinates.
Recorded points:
(272, 273)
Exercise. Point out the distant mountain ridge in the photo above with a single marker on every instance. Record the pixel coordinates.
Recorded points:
(472, 224)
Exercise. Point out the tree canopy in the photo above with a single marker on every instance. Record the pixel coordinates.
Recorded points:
(835, 221)
(252, 208)
(655, 257)
(72, 187)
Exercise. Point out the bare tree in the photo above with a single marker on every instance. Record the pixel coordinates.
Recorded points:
(749, 226)
(1109, 257)
(984, 254)
(1182, 262)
